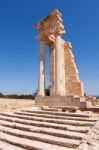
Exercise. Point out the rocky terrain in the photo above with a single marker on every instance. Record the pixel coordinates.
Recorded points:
(91, 141)
(13, 104)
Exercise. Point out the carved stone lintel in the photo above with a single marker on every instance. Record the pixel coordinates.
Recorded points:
(50, 26)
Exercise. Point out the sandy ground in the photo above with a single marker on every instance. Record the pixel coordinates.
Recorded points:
(13, 104)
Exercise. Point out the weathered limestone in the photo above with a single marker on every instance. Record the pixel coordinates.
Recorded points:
(51, 29)
(58, 66)
(39, 129)
(52, 68)
(64, 79)
(73, 84)
(41, 70)
(60, 101)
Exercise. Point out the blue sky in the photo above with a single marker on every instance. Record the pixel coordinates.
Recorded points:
(19, 48)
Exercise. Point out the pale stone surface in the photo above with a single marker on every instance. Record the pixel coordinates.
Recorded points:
(73, 84)
(14, 104)
(91, 140)
(27, 129)
(64, 79)
(58, 66)
(56, 101)
(6, 146)
(41, 70)
(52, 68)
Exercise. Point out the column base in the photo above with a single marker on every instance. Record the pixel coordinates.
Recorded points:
(41, 94)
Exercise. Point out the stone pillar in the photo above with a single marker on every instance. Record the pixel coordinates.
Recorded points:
(52, 71)
(58, 65)
(63, 72)
(41, 88)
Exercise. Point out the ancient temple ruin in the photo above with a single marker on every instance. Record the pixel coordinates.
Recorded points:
(64, 78)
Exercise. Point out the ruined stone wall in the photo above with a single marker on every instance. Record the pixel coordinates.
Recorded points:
(73, 85)
(60, 101)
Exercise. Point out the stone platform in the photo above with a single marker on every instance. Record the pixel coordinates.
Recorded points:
(36, 129)
(93, 109)
(61, 101)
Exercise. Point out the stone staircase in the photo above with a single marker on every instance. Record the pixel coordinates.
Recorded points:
(35, 129)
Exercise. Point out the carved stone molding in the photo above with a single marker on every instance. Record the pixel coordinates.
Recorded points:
(50, 26)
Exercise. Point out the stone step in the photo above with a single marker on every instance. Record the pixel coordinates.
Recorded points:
(64, 142)
(56, 113)
(66, 107)
(48, 131)
(45, 124)
(42, 119)
(48, 108)
(29, 144)
(7, 146)
(60, 108)
(55, 116)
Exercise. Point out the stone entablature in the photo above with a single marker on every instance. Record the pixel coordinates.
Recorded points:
(50, 27)
(64, 78)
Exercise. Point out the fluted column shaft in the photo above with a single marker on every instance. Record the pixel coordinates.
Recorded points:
(41, 87)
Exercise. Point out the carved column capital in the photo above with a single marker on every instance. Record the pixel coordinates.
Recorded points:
(59, 30)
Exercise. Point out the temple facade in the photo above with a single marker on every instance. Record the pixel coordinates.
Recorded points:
(64, 76)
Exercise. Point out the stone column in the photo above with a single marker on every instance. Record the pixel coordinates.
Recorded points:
(58, 65)
(63, 72)
(52, 70)
(41, 88)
